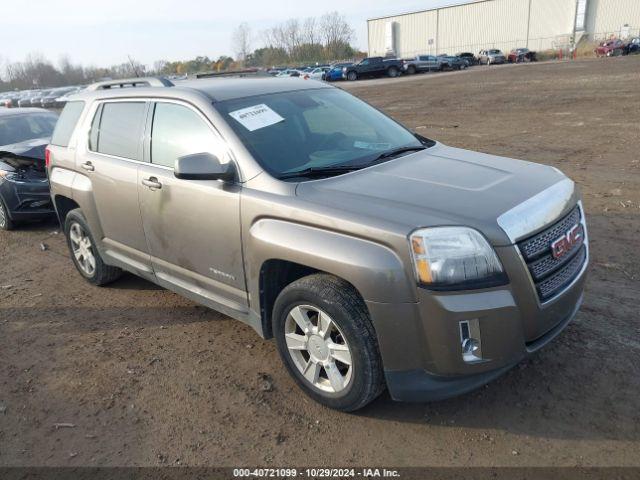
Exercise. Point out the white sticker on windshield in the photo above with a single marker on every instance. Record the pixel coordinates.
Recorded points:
(256, 117)
(371, 146)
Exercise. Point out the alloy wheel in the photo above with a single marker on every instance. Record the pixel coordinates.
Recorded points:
(82, 249)
(318, 348)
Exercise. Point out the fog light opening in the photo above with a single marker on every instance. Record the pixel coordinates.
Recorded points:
(470, 341)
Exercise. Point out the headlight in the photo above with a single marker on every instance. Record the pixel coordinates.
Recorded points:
(455, 258)
(344, 69)
(7, 174)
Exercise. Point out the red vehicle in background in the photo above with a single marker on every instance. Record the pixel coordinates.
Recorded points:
(610, 48)
(518, 55)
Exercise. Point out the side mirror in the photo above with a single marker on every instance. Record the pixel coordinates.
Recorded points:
(203, 166)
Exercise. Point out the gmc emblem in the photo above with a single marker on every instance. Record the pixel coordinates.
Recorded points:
(565, 243)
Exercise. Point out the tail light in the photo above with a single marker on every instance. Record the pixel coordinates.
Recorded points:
(47, 157)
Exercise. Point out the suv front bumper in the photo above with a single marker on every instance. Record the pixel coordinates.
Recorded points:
(421, 386)
(421, 345)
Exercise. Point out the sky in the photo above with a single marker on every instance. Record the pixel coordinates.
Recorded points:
(105, 33)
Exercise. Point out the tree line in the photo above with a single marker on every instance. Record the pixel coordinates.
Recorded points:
(293, 42)
(297, 41)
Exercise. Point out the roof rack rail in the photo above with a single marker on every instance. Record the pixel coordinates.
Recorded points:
(131, 82)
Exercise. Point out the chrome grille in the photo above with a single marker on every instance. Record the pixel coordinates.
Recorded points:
(550, 274)
(540, 243)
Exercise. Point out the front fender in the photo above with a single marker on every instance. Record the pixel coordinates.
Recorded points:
(373, 269)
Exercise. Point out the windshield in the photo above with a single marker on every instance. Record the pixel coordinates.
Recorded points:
(20, 128)
(294, 131)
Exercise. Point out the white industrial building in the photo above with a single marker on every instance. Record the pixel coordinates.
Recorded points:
(504, 24)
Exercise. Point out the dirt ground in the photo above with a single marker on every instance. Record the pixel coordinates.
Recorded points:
(146, 377)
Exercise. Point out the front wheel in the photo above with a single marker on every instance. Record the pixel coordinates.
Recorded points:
(327, 342)
(84, 252)
(393, 72)
(352, 76)
(411, 70)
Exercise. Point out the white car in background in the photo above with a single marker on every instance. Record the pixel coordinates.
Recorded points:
(290, 72)
(316, 74)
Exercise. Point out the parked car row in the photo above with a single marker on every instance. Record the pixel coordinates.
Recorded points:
(316, 72)
(45, 98)
(372, 67)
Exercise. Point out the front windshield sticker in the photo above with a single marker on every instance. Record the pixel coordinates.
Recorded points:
(256, 117)
(371, 146)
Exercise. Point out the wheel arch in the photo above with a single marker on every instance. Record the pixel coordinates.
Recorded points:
(280, 252)
(63, 206)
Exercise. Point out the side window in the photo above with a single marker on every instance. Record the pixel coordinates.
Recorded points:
(120, 129)
(67, 123)
(178, 131)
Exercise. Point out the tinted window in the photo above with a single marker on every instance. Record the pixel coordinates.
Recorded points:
(67, 123)
(313, 128)
(23, 127)
(178, 131)
(120, 129)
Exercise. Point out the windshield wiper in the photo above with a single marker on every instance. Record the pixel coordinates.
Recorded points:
(398, 151)
(338, 169)
(321, 171)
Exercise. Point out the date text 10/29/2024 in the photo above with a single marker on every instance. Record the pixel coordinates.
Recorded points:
(316, 473)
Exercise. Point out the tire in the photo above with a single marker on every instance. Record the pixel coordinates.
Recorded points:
(488, 62)
(392, 72)
(411, 70)
(77, 230)
(5, 220)
(352, 76)
(322, 296)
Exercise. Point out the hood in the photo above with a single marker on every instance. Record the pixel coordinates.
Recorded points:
(30, 152)
(438, 186)
(30, 148)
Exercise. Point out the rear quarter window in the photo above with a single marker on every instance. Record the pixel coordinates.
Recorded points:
(119, 129)
(67, 123)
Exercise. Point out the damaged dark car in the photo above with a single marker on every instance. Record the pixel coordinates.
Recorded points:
(24, 186)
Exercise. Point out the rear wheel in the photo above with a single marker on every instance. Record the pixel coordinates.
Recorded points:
(5, 220)
(84, 252)
(327, 342)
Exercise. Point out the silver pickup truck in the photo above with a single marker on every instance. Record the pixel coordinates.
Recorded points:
(422, 63)
(375, 257)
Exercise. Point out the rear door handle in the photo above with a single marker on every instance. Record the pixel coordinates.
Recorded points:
(88, 166)
(152, 183)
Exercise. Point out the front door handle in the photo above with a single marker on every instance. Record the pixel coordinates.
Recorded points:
(152, 183)
(88, 166)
